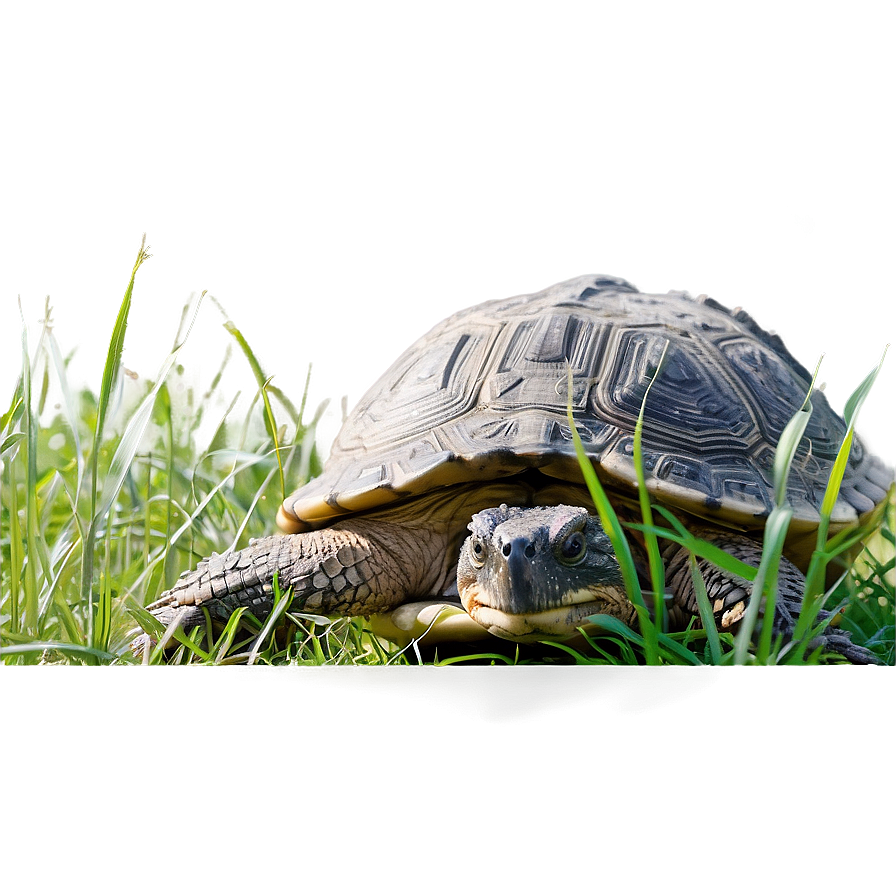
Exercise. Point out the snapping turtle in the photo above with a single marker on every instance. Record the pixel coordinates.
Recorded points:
(454, 482)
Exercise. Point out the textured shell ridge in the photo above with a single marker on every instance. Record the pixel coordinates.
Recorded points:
(483, 396)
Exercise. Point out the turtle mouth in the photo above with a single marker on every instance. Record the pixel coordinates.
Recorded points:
(562, 619)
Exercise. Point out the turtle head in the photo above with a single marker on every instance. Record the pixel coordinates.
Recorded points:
(528, 572)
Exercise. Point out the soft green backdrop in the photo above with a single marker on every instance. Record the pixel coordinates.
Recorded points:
(342, 174)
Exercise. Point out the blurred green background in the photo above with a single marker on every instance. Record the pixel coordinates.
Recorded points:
(340, 175)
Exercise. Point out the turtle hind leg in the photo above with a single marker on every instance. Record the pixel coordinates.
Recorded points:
(730, 594)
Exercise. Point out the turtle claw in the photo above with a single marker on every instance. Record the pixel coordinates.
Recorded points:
(142, 646)
(830, 639)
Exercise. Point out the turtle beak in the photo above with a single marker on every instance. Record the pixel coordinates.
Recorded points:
(516, 577)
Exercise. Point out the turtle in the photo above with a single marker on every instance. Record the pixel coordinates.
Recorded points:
(453, 502)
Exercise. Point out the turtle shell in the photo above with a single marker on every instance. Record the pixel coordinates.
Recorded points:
(483, 395)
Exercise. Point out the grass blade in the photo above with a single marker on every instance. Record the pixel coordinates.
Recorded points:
(16, 553)
(764, 583)
(30, 602)
(133, 434)
(69, 408)
(851, 413)
(766, 580)
(119, 469)
(77, 650)
(281, 602)
(611, 525)
(698, 546)
(110, 378)
(10, 442)
(263, 384)
(655, 560)
(820, 557)
(787, 448)
(706, 617)
(225, 641)
(618, 627)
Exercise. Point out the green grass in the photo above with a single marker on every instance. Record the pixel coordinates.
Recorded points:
(107, 495)
(862, 599)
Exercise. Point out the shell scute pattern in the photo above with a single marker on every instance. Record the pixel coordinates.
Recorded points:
(483, 396)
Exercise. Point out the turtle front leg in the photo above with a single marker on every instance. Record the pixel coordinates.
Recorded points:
(352, 569)
(730, 594)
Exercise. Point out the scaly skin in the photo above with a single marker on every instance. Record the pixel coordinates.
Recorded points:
(729, 594)
(351, 569)
(360, 567)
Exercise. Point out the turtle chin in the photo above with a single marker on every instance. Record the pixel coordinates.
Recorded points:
(560, 621)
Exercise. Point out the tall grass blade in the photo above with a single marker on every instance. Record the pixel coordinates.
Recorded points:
(225, 641)
(15, 408)
(16, 551)
(281, 602)
(775, 534)
(133, 434)
(30, 602)
(110, 378)
(813, 597)
(163, 409)
(103, 623)
(10, 442)
(698, 546)
(655, 560)
(9, 451)
(263, 385)
(853, 406)
(612, 527)
(618, 627)
(48, 595)
(76, 650)
(789, 443)
(250, 510)
(766, 581)
(69, 408)
(120, 467)
(306, 463)
(705, 609)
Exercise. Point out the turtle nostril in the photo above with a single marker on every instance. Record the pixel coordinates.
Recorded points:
(519, 546)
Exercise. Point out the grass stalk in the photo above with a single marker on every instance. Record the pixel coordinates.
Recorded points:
(706, 617)
(68, 407)
(765, 585)
(111, 372)
(612, 527)
(655, 560)
(16, 552)
(30, 602)
(263, 385)
(825, 551)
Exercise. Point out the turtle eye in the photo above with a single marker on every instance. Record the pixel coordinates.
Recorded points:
(573, 549)
(477, 553)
